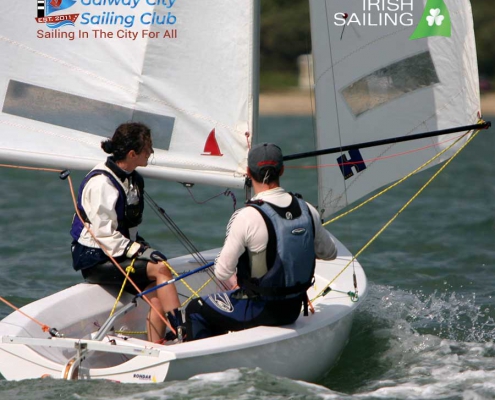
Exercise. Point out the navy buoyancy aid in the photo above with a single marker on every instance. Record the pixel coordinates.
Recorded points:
(291, 266)
(128, 215)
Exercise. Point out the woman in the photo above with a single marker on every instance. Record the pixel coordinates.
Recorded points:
(111, 203)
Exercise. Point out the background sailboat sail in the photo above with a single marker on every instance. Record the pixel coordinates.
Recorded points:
(373, 82)
(184, 68)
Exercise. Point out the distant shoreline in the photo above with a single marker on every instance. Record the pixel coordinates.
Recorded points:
(300, 102)
(290, 102)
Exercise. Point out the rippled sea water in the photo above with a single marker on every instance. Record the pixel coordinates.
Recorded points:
(426, 330)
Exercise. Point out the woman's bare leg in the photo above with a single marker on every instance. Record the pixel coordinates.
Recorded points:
(166, 295)
(154, 324)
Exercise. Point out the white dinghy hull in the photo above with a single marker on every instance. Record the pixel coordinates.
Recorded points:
(304, 350)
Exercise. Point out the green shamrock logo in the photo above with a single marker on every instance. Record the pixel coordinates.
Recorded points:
(435, 21)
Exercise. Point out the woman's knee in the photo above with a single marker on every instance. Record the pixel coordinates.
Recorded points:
(158, 270)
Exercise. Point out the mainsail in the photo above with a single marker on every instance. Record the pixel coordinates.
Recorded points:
(373, 81)
(71, 72)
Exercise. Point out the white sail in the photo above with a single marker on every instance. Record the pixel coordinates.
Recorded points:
(183, 67)
(372, 82)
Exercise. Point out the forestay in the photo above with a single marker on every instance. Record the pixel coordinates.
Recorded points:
(183, 67)
(372, 82)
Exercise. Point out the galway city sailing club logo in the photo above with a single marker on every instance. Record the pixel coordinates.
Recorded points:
(49, 13)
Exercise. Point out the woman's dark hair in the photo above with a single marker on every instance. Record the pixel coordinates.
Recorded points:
(129, 136)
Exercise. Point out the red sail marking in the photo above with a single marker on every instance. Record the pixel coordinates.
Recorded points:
(211, 145)
(55, 3)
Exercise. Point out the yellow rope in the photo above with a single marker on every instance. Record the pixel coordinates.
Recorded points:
(194, 293)
(183, 280)
(130, 269)
(199, 290)
(396, 183)
(402, 209)
(132, 332)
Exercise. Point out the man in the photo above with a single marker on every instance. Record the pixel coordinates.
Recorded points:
(270, 247)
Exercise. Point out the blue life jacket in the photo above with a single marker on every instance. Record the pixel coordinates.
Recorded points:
(290, 252)
(128, 215)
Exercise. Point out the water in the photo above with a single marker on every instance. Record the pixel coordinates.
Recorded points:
(426, 330)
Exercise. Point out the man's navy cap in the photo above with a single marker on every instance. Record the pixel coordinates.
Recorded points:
(265, 155)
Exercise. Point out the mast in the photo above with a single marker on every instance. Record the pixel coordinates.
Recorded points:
(255, 77)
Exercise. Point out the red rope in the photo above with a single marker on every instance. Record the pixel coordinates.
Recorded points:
(370, 159)
(44, 327)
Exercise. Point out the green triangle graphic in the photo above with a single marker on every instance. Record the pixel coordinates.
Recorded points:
(435, 21)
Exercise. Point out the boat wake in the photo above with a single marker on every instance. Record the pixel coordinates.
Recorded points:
(414, 345)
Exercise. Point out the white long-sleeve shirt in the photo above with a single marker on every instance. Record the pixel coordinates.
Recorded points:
(247, 229)
(99, 198)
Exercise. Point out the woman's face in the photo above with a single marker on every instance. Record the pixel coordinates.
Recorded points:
(144, 155)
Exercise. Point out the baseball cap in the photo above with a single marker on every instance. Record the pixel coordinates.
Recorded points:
(265, 155)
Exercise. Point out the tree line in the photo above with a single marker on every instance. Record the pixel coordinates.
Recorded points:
(285, 34)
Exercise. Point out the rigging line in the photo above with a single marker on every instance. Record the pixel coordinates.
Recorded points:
(183, 239)
(175, 229)
(188, 245)
(44, 328)
(396, 183)
(311, 84)
(312, 95)
(312, 98)
(398, 139)
(381, 230)
(174, 272)
(226, 192)
(290, 157)
(30, 168)
(199, 291)
(370, 160)
(336, 100)
(130, 269)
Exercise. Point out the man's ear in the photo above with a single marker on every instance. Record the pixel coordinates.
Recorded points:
(281, 171)
(248, 171)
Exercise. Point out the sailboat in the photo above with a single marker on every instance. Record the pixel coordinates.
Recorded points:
(198, 91)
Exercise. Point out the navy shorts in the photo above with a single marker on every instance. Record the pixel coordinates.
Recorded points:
(97, 268)
(108, 274)
(220, 313)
